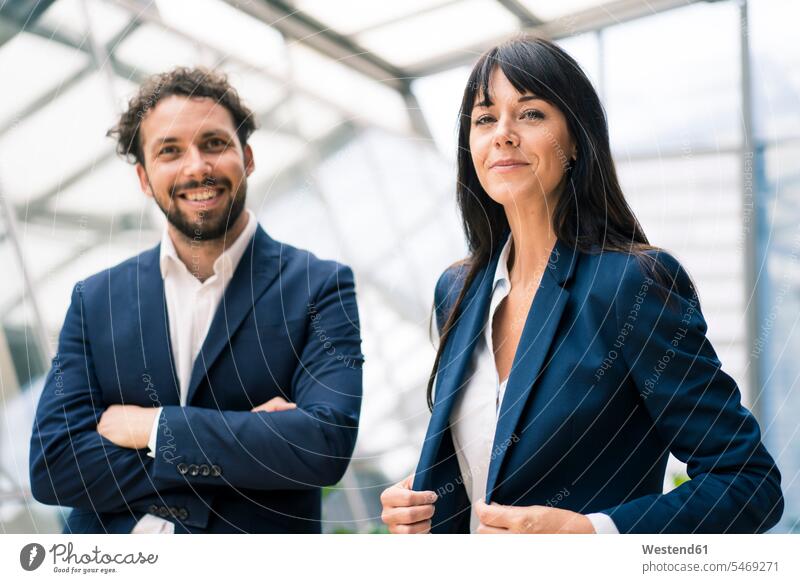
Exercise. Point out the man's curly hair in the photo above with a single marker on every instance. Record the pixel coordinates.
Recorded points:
(191, 82)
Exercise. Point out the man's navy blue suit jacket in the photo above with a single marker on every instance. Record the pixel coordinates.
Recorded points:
(613, 371)
(287, 326)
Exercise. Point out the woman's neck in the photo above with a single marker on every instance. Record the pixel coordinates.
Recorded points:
(533, 241)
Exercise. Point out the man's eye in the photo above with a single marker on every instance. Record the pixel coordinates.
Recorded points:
(216, 142)
(166, 150)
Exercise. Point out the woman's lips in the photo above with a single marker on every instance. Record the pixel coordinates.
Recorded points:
(509, 167)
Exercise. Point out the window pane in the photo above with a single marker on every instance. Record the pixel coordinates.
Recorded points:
(673, 80)
(349, 16)
(434, 33)
(775, 67)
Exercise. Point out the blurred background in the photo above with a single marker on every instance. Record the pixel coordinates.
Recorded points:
(357, 102)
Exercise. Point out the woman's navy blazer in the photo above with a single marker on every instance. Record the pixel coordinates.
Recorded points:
(613, 371)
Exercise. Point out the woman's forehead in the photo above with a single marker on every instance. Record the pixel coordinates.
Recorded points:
(498, 86)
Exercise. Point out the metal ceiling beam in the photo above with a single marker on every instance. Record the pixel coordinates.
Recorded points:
(591, 19)
(39, 103)
(294, 175)
(151, 17)
(525, 16)
(62, 266)
(8, 30)
(306, 30)
(19, 15)
(421, 11)
(39, 204)
(27, 288)
(118, 67)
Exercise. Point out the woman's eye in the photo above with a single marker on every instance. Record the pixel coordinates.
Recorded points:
(532, 114)
(484, 119)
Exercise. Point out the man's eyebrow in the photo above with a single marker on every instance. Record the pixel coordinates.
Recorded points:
(172, 139)
(157, 143)
(209, 133)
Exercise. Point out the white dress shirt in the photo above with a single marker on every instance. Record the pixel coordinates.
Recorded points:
(473, 420)
(191, 305)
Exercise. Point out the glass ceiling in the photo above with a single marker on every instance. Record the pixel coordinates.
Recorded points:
(317, 73)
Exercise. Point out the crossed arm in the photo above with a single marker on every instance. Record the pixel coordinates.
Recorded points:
(130, 426)
(87, 454)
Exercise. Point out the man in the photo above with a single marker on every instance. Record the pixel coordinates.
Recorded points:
(212, 383)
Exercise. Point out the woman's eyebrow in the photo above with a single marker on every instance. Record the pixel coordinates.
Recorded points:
(522, 99)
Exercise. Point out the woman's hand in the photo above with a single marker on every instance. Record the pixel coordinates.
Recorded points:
(498, 519)
(406, 511)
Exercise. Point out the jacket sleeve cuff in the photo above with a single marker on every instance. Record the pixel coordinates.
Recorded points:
(151, 443)
(602, 523)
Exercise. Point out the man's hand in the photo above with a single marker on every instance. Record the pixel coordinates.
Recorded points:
(130, 425)
(499, 519)
(274, 404)
(127, 425)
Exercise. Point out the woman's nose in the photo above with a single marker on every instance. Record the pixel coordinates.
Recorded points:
(505, 134)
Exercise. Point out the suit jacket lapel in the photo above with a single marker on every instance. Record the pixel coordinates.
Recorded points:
(453, 365)
(537, 335)
(258, 268)
(147, 294)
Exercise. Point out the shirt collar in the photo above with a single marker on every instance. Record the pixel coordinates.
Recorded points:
(501, 271)
(229, 259)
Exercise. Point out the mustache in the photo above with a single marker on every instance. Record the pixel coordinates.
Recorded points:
(210, 182)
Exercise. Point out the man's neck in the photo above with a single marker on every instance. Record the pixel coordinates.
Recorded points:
(199, 256)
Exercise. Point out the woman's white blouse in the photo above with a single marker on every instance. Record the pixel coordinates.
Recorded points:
(474, 417)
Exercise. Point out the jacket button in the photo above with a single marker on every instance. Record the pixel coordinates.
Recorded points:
(193, 470)
(182, 468)
(205, 470)
(183, 514)
(216, 471)
(163, 512)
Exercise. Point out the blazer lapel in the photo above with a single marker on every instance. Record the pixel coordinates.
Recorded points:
(537, 335)
(452, 367)
(147, 294)
(258, 268)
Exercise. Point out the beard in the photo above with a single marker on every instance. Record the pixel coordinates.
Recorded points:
(206, 225)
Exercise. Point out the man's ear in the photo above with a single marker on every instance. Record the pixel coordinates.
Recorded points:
(249, 162)
(144, 182)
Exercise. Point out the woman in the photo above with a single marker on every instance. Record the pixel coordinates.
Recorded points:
(573, 355)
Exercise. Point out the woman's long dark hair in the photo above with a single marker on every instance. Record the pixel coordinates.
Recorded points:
(591, 214)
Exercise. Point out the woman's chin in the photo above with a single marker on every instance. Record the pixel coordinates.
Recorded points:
(516, 194)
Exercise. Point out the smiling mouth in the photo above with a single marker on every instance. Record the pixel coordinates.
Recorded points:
(508, 166)
(201, 194)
